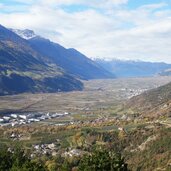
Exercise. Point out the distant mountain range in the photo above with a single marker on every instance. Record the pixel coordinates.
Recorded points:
(128, 68)
(166, 72)
(29, 63)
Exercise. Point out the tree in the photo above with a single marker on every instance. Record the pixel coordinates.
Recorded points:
(102, 160)
(5, 159)
(17, 160)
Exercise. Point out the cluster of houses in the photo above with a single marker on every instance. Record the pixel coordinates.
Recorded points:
(137, 92)
(52, 149)
(73, 152)
(132, 92)
(46, 149)
(22, 119)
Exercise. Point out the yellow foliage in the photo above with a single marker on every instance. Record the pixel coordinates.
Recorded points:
(51, 165)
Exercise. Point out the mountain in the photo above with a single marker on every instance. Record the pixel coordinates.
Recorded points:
(25, 34)
(22, 69)
(128, 68)
(70, 60)
(153, 103)
(166, 72)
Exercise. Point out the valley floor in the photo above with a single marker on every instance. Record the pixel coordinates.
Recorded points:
(97, 94)
(93, 118)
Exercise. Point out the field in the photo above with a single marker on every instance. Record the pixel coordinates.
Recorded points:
(97, 95)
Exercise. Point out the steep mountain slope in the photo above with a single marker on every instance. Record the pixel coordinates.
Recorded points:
(22, 69)
(70, 60)
(152, 103)
(133, 68)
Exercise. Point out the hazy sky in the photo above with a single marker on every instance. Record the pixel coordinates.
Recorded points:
(125, 29)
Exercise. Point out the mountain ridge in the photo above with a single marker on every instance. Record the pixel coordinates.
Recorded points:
(166, 72)
(130, 68)
(23, 70)
(71, 60)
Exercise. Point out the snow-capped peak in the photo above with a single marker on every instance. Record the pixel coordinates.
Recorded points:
(25, 34)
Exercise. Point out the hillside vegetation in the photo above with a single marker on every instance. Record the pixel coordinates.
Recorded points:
(154, 103)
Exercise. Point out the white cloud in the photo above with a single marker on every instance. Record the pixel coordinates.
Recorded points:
(94, 3)
(142, 33)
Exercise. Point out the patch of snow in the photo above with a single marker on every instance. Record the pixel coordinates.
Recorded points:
(25, 34)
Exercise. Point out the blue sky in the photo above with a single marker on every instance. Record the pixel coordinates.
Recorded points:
(137, 3)
(131, 4)
(125, 29)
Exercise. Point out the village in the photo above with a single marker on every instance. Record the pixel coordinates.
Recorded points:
(23, 119)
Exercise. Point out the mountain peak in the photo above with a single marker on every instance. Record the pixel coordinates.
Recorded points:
(25, 34)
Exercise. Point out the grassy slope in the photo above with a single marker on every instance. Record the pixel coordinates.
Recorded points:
(154, 102)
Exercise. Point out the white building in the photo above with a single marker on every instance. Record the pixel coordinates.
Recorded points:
(6, 118)
(23, 117)
(14, 115)
(1, 120)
